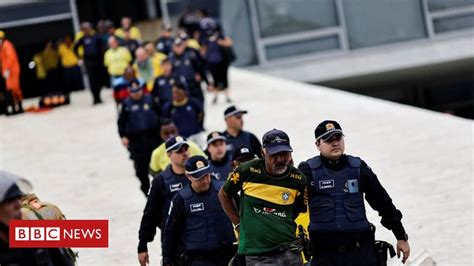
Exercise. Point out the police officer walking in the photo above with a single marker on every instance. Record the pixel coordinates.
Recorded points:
(219, 157)
(138, 126)
(197, 218)
(234, 133)
(339, 230)
(272, 194)
(163, 188)
(187, 67)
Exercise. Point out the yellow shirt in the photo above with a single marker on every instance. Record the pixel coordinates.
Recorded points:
(156, 62)
(160, 160)
(116, 60)
(50, 59)
(192, 43)
(40, 71)
(134, 33)
(68, 57)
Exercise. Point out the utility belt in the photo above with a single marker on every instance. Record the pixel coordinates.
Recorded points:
(323, 243)
(333, 240)
(339, 248)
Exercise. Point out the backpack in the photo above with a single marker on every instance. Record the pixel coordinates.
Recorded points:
(34, 209)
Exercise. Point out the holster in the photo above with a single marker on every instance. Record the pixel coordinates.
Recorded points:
(381, 248)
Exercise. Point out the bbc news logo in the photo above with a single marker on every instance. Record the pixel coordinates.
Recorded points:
(59, 233)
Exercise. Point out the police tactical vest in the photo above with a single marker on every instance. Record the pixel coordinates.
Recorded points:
(337, 204)
(243, 139)
(182, 66)
(207, 227)
(222, 171)
(141, 116)
(173, 184)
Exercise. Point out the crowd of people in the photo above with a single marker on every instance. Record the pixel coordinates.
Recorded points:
(197, 55)
(225, 198)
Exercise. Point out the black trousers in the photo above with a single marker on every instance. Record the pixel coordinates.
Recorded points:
(141, 147)
(195, 91)
(72, 79)
(219, 74)
(94, 71)
(354, 254)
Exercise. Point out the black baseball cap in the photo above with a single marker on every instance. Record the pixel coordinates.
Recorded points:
(178, 41)
(197, 166)
(215, 135)
(327, 129)
(174, 143)
(276, 141)
(243, 154)
(136, 85)
(233, 110)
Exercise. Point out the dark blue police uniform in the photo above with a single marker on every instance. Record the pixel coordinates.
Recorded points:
(162, 89)
(139, 122)
(187, 66)
(198, 220)
(164, 45)
(163, 189)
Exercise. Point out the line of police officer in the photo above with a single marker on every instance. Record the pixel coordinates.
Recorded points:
(194, 228)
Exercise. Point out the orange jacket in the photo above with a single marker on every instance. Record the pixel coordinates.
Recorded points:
(9, 63)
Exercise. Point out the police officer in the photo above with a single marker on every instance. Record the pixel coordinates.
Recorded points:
(162, 87)
(339, 230)
(219, 157)
(197, 218)
(93, 59)
(185, 65)
(163, 188)
(187, 114)
(234, 133)
(138, 126)
(165, 41)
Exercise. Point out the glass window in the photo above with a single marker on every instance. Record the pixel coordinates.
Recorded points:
(283, 16)
(276, 51)
(237, 25)
(375, 22)
(434, 5)
(33, 9)
(453, 23)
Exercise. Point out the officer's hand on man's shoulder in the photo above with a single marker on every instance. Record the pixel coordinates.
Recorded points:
(404, 247)
(143, 258)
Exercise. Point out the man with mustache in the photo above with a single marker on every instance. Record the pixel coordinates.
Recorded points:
(272, 194)
(339, 230)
